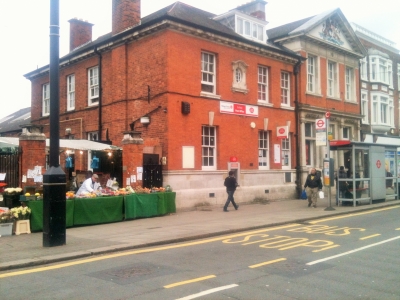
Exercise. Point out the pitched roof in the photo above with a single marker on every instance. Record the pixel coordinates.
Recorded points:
(178, 12)
(13, 122)
(305, 26)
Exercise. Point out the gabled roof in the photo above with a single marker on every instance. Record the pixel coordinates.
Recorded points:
(13, 122)
(178, 12)
(307, 26)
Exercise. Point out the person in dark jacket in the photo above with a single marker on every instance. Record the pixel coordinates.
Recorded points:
(312, 185)
(231, 184)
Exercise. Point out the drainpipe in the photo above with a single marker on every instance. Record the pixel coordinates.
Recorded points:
(100, 126)
(296, 71)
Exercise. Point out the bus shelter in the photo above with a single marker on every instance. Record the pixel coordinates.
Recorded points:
(366, 172)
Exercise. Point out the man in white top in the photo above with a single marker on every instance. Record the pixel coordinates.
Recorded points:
(89, 185)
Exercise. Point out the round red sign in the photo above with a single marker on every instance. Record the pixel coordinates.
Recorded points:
(320, 123)
(281, 130)
(327, 115)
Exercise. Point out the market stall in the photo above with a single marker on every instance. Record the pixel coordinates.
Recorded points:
(36, 218)
(149, 205)
(107, 209)
(98, 210)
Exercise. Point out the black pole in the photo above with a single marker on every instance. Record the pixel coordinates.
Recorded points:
(54, 180)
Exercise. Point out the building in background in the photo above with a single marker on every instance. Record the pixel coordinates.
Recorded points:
(380, 76)
(329, 81)
(11, 125)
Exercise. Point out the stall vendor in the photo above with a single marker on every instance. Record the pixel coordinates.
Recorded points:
(90, 185)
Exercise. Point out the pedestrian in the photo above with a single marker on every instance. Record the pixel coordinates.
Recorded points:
(89, 185)
(231, 184)
(313, 185)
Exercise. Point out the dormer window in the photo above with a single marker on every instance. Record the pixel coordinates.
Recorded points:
(250, 29)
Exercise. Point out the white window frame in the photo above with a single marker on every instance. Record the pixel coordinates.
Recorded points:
(313, 74)
(381, 69)
(332, 85)
(364, 69)
(346, 133)
(263, 86)
(263, 150)
(350, 84)
(310, 140)
(208, 73)
(285, 88)
(364, 106)
(382, 109)
(208, 148)
(250, 29)
(71, 92)
(93, 86)
(46, 99)
(398, 76)
(286, 151)
(93, 136)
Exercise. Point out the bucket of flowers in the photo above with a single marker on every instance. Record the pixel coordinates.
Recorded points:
(22, 223)
(6, 221)
(11, 196)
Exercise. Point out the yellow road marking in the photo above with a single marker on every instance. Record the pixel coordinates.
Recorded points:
(189, 281)
(267, 263)
(397, 228)
(370, 236)
(114, 255)
(326, 248)
(355, 214)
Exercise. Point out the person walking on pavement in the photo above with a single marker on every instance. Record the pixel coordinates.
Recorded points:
(231, 184)
(313, 185)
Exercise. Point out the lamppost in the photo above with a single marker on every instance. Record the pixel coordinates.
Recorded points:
(54, 180)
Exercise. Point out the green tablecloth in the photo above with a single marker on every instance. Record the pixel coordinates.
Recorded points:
(166, 203)
(36, 219)
(141, 205)
(149, 205)
(98, 210)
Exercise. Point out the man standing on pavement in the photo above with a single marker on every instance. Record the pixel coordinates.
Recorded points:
(231, 184)
(312, 185)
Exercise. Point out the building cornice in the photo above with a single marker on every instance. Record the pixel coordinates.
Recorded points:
(140, 32)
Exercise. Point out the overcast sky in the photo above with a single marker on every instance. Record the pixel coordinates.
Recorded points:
(25, 29)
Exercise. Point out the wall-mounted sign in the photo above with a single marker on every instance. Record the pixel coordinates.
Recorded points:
(282, 132)
(238, 109)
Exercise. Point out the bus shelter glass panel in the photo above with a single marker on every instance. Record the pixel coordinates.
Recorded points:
(391, 174)
(353, 186)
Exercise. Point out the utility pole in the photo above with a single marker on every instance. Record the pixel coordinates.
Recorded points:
(54, 180)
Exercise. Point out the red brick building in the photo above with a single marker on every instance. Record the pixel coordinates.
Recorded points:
(196, 90)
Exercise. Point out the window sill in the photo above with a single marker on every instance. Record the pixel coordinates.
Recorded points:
(264, 103)
(314, 94)
(239, 90)
(287, 107)
(208, 95)
(351, 102)
(333, 98)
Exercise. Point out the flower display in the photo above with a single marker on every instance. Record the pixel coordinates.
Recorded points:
(12, 191)
(6, 216)
(21, 212)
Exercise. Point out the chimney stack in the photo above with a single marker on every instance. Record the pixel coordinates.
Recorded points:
(80, 32)
(255, 8)
(125, 14)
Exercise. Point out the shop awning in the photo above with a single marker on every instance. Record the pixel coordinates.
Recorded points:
(68, 144)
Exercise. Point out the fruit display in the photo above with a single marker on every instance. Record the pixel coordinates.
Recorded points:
(70, 195)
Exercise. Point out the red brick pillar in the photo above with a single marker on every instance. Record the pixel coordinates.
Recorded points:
(32, 143)
(132, 157)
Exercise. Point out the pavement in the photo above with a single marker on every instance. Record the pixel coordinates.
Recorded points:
(26, 250)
